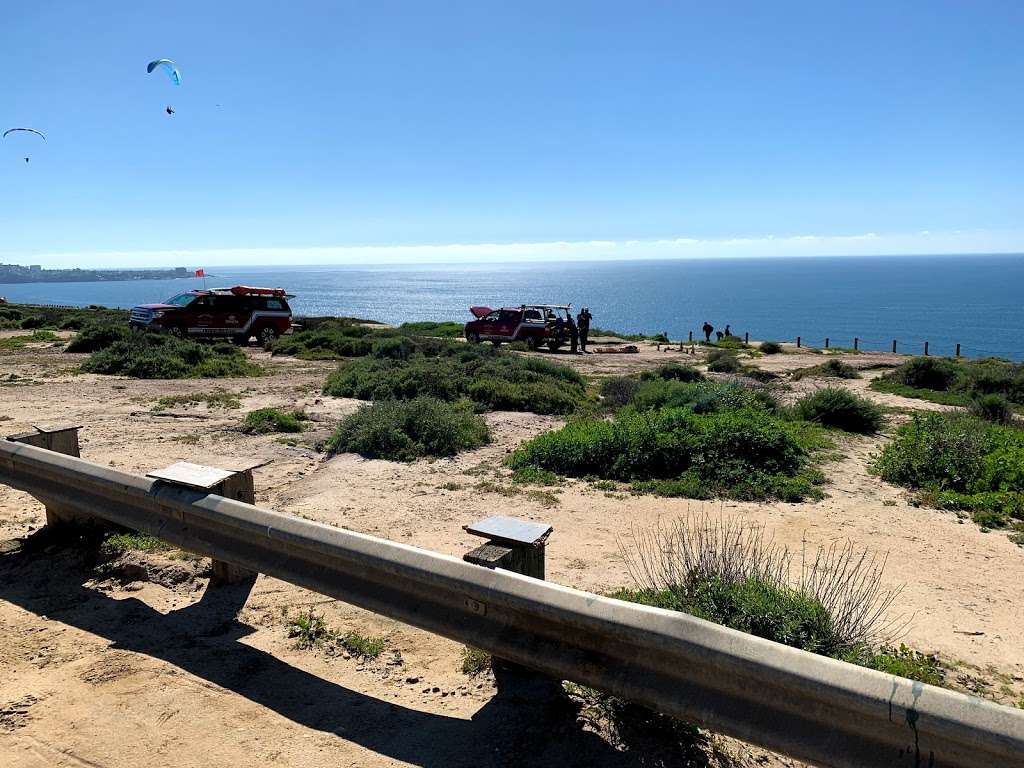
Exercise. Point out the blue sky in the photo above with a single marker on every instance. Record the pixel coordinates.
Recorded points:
(394, 131)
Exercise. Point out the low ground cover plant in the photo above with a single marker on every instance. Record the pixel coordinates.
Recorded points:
(404, 430)
(959, 462)
(492, 379)
(840, 408)
(770, 348)
(267, 420)
(219, 398)
(830, 369)
(954, 382)
(14, 343)
(161, 356)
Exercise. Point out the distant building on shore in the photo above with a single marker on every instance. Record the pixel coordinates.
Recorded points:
(34, 273)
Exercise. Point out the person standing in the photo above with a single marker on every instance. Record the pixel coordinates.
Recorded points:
(728, 331)
(708, 330)
(583, 323)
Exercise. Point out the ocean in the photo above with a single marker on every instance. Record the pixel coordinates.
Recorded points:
(972, 300)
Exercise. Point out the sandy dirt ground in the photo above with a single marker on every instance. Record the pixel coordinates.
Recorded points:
(101, 671)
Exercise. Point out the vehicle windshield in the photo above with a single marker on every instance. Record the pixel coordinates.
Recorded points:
(181, 300)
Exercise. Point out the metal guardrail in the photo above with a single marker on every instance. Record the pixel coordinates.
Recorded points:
(810, 707)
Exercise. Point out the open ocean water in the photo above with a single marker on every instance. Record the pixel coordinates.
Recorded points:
(974, 300)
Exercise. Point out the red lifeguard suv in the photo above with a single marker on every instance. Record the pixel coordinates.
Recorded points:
(238, 313)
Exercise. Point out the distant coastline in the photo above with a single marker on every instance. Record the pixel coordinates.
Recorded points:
(17, 274)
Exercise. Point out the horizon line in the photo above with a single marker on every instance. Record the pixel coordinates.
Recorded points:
(919, 243)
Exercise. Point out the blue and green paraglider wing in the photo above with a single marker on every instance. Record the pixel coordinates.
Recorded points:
(167, 66)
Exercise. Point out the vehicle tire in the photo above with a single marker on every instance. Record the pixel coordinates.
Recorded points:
(178, 331)
(473, 337)
(266, 335)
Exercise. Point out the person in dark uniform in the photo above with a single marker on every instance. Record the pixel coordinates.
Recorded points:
(708, 330)
(728, 331)
(583, 323)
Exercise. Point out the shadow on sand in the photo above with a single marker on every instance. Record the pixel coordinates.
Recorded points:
(527, 722)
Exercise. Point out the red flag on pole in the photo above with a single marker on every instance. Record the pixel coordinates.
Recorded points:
(200, 273)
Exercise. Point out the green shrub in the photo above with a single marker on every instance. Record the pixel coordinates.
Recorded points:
(840, 409)
(745, 453)
(395, 348)
(618, 391)
(446, 330)
(723, 363)
(266, 420)
(731, 342)
(160, 356)
(728, 571)
(935, 450)
(703, 397)
(926, 373)
(403, 430)
(493, 379)
(673, 372)
(94, 336)
(992, 407)
(752, 605)
(770, 348)
(834, 368)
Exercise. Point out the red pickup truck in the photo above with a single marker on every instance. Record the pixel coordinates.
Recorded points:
(239, 313)
(535, 324)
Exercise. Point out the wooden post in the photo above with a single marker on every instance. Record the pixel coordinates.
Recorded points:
(926, 348)
(894, 346)
(234, 484)
(691, 337)
(958, 350)
(856, 343)
(746, 337)
(59, 438)
(798, 342)
(512, 544)
(826, 342)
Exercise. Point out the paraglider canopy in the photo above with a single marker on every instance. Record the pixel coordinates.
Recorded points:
(26, 130)
(168, 66)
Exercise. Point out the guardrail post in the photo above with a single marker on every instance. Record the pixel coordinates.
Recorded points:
(513, 545)
(958, 350)
(798, 342)
(894, 346)
(926, 349)
(60, 438)
(746, 337)
(691, 337)
(234, 484)
(856, 344)
(826, 342)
